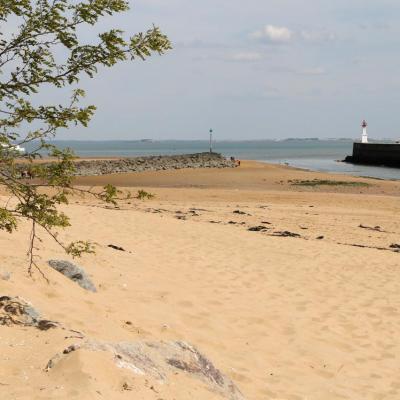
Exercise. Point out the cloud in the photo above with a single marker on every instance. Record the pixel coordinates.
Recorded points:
(245, 57)
(273, 34)
(317, 36)
(313, 71)
(281, 34)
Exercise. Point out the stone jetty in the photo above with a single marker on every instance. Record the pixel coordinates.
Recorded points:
(148, 163)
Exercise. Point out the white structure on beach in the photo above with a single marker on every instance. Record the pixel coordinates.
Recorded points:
(364, 137)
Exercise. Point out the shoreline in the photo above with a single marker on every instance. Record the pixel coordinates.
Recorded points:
(360, 174)
(383, 169)
(337, 172)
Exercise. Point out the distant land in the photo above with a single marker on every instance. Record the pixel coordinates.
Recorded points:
(216, 140)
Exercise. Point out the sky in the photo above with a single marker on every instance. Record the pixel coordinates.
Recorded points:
(255, 69)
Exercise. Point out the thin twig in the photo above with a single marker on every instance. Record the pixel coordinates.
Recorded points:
(31, 253)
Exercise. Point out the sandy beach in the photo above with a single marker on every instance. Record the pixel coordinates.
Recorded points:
(290, 287)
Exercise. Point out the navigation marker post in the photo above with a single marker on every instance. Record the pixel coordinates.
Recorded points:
(211, 135)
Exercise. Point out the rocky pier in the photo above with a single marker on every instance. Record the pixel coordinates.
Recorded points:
(148, 163)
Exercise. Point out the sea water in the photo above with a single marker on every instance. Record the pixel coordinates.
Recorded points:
(317, 155)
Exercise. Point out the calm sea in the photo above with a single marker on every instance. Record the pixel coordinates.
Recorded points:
(318, 155)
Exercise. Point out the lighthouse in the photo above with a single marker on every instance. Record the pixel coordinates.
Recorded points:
(364, 137)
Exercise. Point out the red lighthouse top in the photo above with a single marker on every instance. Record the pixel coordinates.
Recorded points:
(364, 124)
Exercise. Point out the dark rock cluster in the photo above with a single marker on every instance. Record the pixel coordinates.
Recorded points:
(17, 311)
(150, 163)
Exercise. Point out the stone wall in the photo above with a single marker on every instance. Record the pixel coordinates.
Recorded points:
(387, 154)
(151, 163)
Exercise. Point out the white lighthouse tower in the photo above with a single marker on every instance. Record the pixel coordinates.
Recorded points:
(364, 137)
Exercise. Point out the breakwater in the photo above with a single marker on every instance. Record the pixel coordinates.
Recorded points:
(385, 154)
(148, 163)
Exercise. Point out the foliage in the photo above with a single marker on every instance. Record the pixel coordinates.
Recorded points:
(41, 46)
(143, 195)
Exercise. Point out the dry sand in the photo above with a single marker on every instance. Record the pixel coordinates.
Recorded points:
(285, 318)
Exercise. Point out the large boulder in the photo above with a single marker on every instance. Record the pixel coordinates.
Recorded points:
(159, 363)
(73, 272)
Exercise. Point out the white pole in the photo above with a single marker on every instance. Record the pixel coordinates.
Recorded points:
(211, 134)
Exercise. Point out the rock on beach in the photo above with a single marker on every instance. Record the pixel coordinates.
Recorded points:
(73, 272)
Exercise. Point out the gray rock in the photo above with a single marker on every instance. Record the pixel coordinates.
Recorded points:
(17, 311)
(73, 272)
(160, 361)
